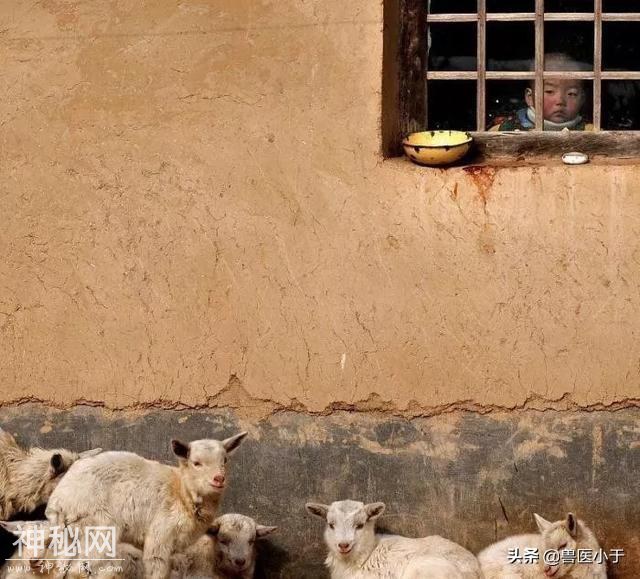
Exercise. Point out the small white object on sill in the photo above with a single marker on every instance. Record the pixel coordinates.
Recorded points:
(575, 158)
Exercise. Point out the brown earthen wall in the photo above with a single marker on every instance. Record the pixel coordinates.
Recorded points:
(196, 213)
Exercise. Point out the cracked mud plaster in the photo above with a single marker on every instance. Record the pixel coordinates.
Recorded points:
(181, 208)
(236, 397)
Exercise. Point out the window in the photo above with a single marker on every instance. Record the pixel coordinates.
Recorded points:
(487, 66)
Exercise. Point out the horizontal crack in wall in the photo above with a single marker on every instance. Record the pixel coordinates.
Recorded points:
(235, 397)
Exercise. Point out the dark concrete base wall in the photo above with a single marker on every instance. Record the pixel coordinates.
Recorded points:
(472, 478)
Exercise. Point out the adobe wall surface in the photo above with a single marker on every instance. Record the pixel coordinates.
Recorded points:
(194, 198)
(197, 217)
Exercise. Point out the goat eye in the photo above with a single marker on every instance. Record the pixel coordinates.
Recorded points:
(332, 526)
(226, 458)
(359, 526)
(197, 463)
(561, 547)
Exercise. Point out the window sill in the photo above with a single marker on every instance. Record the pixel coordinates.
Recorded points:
(542, 148)
(535, 149)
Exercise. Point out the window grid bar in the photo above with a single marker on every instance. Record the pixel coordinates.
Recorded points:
(528, 75)
(597, 66)
(530, 17)
(481, 59)
(539, 66)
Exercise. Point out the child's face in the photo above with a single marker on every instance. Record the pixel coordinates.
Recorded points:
(563, 100)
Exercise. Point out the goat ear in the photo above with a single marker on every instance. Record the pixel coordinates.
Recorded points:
(213, 530)
(57, 464)
(233, 442)
(542, 523)
(180, 449)
(263, 531)
(90, 453)
(572, 525)
(318, 509)
(374, 510)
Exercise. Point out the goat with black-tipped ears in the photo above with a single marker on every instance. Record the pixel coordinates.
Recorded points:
(29, 476)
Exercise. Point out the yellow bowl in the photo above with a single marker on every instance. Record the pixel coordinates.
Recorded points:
(437, 147)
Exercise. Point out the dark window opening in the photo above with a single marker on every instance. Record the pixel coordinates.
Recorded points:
(510, 6)
(453, 46)
(446, 96)
(510, 46)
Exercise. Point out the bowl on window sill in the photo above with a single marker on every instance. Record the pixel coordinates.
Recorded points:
(437, 147)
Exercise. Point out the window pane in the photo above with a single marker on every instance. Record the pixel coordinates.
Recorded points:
(453, 46)
(511, 5)
(452, 105)
(621, 5)
(510, 46)
(452, 6)
(568, 6)
(621, 105)
(620, 46)
(572, 39)
(506, 106)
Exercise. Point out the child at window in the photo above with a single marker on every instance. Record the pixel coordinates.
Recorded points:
(563, 102)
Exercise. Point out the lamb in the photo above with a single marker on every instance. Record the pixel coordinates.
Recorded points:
(226, 551)
(357, 552)
(157, 508)
(568, 535)
(28, 477)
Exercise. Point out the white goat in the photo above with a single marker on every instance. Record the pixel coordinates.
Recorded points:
(357, 552)
(155, 507)
(28, 476)
(568, 535)
(226, 551)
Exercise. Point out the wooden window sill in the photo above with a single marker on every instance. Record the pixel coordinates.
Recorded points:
(537, 149)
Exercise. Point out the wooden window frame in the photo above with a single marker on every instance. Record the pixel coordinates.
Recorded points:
(405, 83)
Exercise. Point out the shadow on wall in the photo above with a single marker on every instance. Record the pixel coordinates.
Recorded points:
(472, 478)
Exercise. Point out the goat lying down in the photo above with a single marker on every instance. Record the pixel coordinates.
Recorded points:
(570, 534)
(357, 552)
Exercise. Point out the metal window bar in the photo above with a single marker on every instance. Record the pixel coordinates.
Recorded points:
(481, 75)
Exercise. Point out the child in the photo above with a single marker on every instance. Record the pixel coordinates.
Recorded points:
(563, 102)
